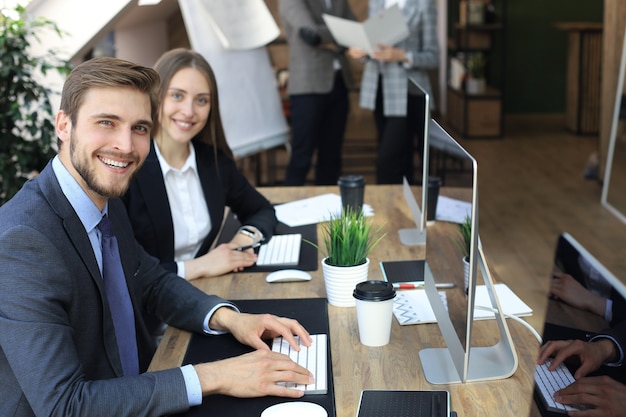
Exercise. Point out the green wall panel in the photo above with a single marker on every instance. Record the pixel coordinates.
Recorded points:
(536, 51)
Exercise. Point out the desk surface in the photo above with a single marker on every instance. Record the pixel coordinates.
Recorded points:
(396, 365)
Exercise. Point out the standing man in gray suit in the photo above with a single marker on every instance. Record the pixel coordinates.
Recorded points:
(384, 87)
(318, 85)
(61, 353)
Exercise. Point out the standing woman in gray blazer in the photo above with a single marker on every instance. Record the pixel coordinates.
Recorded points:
(384, 86)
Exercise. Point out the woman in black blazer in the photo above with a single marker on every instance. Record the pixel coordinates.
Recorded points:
(176, 203)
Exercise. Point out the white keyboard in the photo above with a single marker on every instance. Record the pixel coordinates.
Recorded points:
(312, 358)
(548, 382)
(280, 250)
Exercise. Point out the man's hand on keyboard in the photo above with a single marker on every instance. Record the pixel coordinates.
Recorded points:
(591, 354)
(254, 374)
(251, 329)
(606, 395)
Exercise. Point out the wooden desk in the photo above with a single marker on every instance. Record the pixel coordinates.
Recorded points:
(396, 365)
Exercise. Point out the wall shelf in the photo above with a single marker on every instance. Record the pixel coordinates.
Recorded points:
(475, 115)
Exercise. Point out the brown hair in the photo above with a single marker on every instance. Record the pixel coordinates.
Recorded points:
(108, 72)
(167, 66)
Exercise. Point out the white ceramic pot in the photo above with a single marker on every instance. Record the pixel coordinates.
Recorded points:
(340, 282)
(466, 273)
(475, 86)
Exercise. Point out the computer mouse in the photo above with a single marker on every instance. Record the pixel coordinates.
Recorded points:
(288, 275)
(295, 408)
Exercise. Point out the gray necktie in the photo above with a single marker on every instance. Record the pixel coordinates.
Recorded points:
(119, 299)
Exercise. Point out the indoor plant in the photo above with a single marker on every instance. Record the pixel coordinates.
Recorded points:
(26, 118)
(476, 83)
(464, 241)
(347, 240)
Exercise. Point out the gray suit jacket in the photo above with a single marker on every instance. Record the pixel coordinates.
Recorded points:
(421, 18)
(311, 68)
(58, 353)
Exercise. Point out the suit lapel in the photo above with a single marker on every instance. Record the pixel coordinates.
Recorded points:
(150, 181)
(75, 231)
(210, 181)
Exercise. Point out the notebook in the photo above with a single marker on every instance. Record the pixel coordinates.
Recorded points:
(413, 307)
(312, 313)
(403, 271)
(401, 403)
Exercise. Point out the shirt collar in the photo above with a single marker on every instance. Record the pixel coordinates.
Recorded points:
(190, 163)
(87, 211)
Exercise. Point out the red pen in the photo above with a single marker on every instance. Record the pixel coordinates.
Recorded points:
(419, 284)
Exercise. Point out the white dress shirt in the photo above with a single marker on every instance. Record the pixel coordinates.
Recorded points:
(190, 214)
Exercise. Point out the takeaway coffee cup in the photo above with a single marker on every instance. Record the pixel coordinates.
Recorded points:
(351, 188)
(434, 183)
(374, 311)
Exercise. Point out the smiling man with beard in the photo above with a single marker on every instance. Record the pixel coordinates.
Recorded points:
(68, 345)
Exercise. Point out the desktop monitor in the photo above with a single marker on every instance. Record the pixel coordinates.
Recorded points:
(565, 320)
(417, 235)
(459, 361)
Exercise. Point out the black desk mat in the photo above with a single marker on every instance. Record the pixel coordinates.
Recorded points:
(312, 313)
(308, 253)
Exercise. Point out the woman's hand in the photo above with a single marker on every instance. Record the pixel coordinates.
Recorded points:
(223, 259)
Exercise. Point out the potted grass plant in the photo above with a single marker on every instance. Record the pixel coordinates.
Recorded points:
(476, 82)
(347, 241)
(463, 241)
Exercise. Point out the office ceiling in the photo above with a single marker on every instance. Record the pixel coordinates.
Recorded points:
(140, 15)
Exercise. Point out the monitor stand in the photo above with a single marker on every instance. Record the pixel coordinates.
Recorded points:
(485, 363)
(412, 237)
(417, 235)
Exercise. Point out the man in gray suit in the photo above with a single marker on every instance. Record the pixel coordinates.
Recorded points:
(318, 84)
(59, 352)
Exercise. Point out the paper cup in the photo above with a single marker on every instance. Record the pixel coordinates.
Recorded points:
(374, 311)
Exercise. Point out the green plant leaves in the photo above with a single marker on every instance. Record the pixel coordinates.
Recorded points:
(26, 120)
(349, 238)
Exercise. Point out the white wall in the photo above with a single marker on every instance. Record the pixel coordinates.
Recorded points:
(142, 44)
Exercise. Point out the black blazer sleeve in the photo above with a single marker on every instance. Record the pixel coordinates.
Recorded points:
(225, 186)
(618, 333)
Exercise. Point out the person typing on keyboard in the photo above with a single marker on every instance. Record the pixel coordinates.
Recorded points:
(177, 201)
(603, 394)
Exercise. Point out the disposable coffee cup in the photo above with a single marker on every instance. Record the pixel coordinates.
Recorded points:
(374, 311)
(434, 183)
(352, 188)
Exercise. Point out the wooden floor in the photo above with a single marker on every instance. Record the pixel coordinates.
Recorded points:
(531, 188)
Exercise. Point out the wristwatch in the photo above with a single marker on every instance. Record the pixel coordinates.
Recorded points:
(252, 232)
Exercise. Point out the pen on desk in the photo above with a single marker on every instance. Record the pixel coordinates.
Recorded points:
(253, 246)
(419, 284)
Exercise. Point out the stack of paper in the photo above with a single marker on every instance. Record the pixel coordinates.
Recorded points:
(241, 24)
(413, 307)
(313, 210)
(452, 210)
(387, 28)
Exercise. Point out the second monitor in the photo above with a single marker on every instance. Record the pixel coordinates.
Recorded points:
(459, 361)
